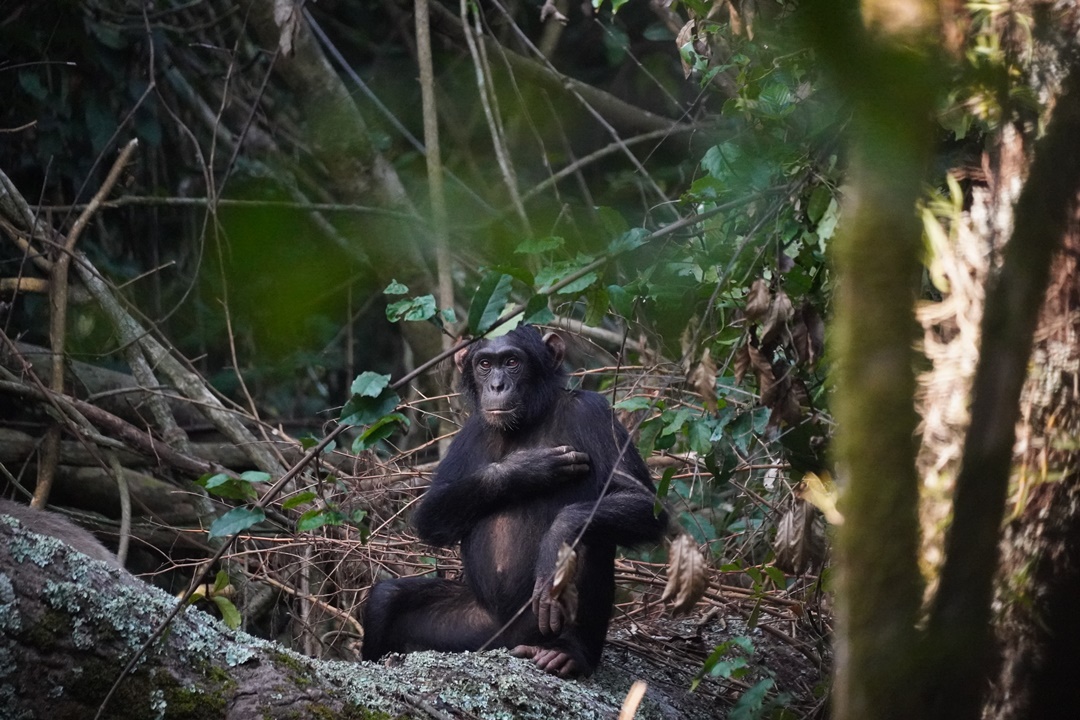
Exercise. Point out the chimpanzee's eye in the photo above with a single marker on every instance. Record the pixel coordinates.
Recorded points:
(512, 362)
(484, 364)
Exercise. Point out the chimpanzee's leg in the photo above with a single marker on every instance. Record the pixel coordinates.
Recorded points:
(409, 614)
(576, 650)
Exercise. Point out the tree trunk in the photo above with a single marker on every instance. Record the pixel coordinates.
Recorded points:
(69, 624)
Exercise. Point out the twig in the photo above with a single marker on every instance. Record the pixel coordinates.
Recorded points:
(58, 301)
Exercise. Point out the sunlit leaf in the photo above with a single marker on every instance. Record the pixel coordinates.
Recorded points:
(229, 614)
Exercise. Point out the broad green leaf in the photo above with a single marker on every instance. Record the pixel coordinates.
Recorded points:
(229, 614)
(314, 519)
(221, 581)
(224, 486)
(611, 221)
(539, 245)
(596, 305)
(298, 499)
(379, 430)
(369, 384)
(727, 668)
(748, 707)
(698, 433)
(255, 476)
(361, 410)
(629, 240)
(819, 202)
(662, 490)
(537, 311)
(488, 302)
(214, 481)
(633, 404)
(580, 284)
(622, 302)
(235, 521)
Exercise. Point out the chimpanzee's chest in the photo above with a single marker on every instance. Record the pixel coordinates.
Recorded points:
(500, 552)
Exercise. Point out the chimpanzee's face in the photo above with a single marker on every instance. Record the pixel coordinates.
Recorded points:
(502, 372)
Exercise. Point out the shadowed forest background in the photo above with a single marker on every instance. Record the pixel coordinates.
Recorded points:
(821, 258)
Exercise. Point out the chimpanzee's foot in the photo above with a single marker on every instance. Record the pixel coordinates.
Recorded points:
(550, 660)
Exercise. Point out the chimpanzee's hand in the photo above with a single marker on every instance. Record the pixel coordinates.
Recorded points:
(547, 463)
(552, 613)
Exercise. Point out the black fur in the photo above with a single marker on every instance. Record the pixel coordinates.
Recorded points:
(522, 477)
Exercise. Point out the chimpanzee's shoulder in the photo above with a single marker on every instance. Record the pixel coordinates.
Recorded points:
(589, 404)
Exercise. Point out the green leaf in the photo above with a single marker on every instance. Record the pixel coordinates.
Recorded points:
(255, 476)
(381, 429)
(448, 316)
(819, 202)
(629, 240)
(221, 581)
(235, 521)
(298, 499)
(314, 519)
(488, 302)
(229, 614)
(360, 410)
(222, 485)
(539, 245)
(725, 668)
(649, 432)
(634, 404)
(369, 384)
(749, 705)
(611, 221)
(537, 311)
(30, 81)
(662, 490)
(698, 433)
(415, 309)
(580, 284)
(596, 306)
(622, 302)
(777, 576)
(210, 482)
(396, 288)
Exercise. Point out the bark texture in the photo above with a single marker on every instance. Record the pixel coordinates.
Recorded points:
(69, 623)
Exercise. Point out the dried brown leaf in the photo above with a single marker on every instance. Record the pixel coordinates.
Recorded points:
(757, 301)
(768, 386)
(815, 331)
(776, 320)
(563, 587)
(287, 18)
(687, 574)
(741, 362)
(800, 539)
(685, 35)
(704, 380)
(799, 340)
(549, 10)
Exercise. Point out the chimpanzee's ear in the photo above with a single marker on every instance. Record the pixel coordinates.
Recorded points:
(459, 358)
(557, 347)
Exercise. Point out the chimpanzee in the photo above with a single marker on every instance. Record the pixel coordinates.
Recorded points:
(535, 466)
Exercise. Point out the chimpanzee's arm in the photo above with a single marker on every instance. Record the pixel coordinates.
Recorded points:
(467, 486)
(622, 512)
